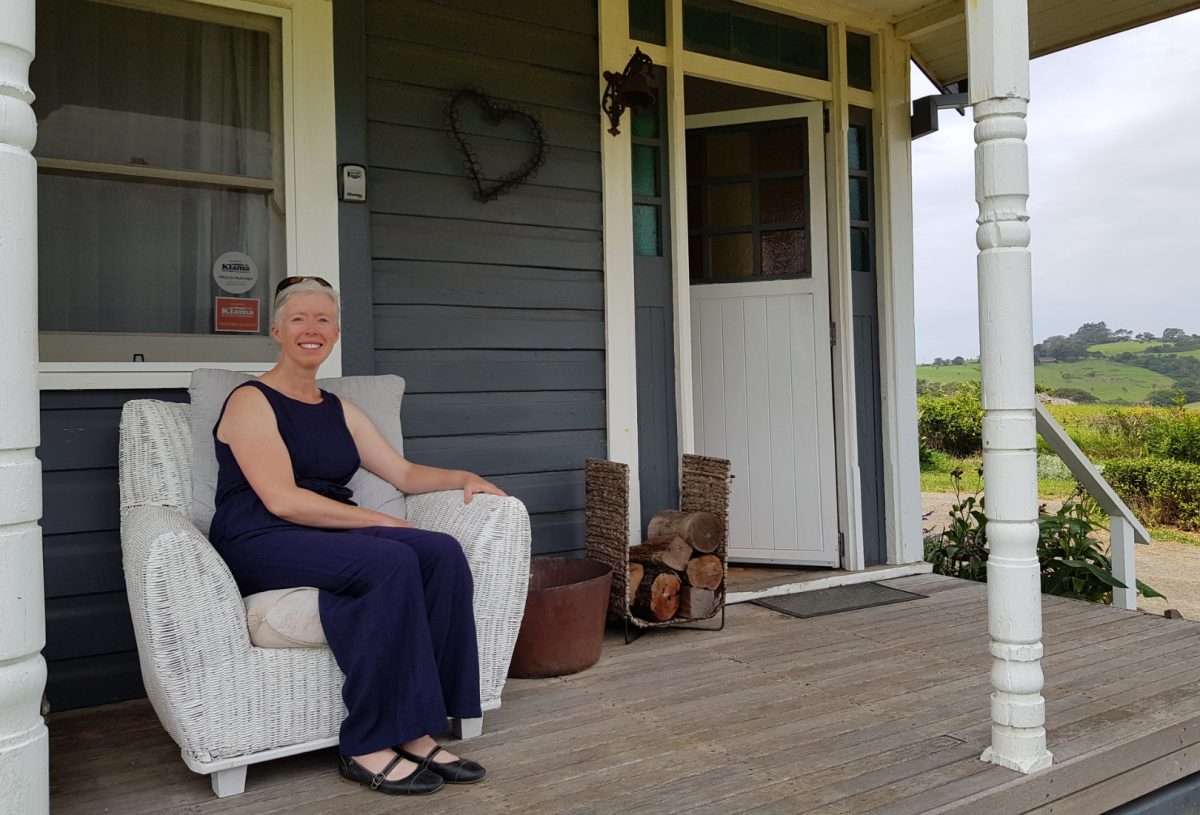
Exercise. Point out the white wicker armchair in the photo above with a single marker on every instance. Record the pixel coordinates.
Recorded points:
(225, 702)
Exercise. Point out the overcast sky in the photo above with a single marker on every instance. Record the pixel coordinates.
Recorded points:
(1114, 152)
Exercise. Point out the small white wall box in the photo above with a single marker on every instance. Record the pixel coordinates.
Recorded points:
(352, 184)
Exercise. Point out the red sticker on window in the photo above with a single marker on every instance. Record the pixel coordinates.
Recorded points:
(237, 314)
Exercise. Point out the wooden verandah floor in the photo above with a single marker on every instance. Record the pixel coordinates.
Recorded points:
(882, 710)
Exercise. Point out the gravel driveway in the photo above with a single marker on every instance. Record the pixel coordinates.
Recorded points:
(1171, 568)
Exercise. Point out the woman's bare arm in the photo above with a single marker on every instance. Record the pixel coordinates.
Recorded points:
(381, 458)
(250, 430)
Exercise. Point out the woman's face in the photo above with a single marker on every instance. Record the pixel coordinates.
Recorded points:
(307, 329)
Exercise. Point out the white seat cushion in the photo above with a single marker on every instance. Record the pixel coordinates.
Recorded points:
(285, 618)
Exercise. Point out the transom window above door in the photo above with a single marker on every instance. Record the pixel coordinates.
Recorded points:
(162, 212)
(748, 202)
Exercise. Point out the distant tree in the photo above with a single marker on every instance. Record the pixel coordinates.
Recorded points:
(1122, 334)
(1166, 397)
(1172, 334)
(1075, 395)
(1093, 334)
(1146, 336)
(939, 361)
(957, 361)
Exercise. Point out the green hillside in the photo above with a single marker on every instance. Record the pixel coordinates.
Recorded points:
(1111, 349)
(1106, 380)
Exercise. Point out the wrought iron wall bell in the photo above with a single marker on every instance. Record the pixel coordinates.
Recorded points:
(628, 89)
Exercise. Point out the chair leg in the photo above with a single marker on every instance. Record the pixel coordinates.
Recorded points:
(229, 782)
(467, 728)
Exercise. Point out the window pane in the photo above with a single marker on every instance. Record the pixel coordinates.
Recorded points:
(783, 253)
(755, 36)
(704, 28)
(696, 257)
(782, 150)
(697, 164)
(647, 229)
(781, 202)
(645, 170)
(729, 154)
(729, 205)
(645, 119)
(858, 147)
(858, 61)
(732, 255)
(124, 86)
(860, 250)
(805, 51)
(647, 21)
(140, 256)
(858, 199)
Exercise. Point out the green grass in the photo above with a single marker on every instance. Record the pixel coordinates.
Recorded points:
(946, 374)
(938, 478)
(1108, 381)
(1104, 379)
(1111, 349)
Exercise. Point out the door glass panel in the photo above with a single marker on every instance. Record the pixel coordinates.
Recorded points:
(729, 205)
(781, 150)
(732, 255)
(696, 257)
(781, 201)
(729, 154)
(783, 253)
(857, 149)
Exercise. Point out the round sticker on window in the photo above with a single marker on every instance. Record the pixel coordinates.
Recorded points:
(235, 272)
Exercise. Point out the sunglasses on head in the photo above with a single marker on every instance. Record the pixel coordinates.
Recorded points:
(292, 281)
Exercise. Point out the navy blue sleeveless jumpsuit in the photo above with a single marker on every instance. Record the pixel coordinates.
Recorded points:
(395, 602)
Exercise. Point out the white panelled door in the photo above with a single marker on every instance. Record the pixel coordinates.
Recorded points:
(763, 379)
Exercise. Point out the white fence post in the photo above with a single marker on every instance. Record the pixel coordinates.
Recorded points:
(1124, 564)
(24, 757)
(998, 44)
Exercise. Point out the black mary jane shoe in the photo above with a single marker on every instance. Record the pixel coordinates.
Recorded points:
(459, 771)
(419, 782)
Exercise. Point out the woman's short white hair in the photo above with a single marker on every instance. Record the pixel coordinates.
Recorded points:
(303, 286)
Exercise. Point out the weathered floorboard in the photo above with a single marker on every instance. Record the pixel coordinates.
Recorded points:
(837, 714)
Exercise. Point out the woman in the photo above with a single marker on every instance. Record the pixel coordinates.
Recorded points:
(395, 601)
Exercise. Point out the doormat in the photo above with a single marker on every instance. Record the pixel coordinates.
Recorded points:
(839, 598)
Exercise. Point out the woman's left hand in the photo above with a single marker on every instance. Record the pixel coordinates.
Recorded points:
(476, 485)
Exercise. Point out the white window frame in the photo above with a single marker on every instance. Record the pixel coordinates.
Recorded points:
(310, 189)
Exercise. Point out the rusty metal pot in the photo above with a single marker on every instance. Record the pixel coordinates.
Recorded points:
(563, 626)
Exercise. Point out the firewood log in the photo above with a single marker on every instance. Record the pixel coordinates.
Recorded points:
(702, 530)
(695, 604)
(658, 596)
(669, 550)
(636, 570)
(705, 572)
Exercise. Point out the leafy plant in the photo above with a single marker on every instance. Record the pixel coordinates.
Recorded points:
(1073, 563)
(1162, 490)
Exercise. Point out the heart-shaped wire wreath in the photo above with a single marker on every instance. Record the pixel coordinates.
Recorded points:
(495, 115)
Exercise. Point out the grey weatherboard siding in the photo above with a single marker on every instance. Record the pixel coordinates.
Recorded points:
(492, 312)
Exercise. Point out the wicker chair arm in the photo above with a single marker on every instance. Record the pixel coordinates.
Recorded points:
(213, 691)
(494, 533)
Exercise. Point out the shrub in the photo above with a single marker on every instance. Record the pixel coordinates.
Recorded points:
(1075, 395)
(953, 423)
(1174, 434)
(1162, 490)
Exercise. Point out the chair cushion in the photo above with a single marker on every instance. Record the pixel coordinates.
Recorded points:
(378, 396)
(285, 618)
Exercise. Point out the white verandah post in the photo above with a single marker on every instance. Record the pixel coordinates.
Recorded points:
(998, 44)
(24, 756)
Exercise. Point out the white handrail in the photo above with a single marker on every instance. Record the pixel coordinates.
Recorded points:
(1125, 529)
